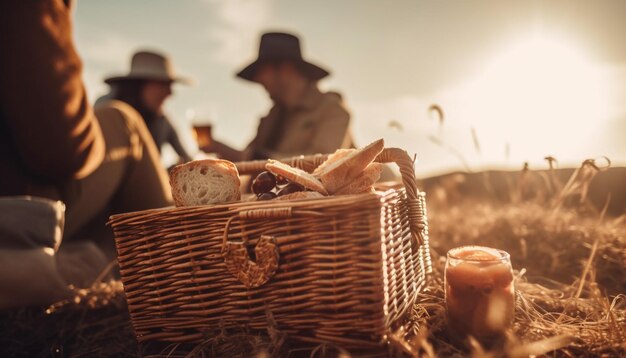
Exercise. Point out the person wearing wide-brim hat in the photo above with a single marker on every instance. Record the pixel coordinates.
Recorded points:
(146, 87)
(303, 120)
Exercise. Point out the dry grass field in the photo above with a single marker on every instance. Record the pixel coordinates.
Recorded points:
(568, 249)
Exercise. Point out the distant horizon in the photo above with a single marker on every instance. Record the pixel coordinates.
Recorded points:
(516, 81)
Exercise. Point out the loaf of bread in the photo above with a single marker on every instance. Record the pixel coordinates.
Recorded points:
(207, 181)
(348, 167)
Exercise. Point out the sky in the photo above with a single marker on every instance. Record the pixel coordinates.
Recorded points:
(515, 80)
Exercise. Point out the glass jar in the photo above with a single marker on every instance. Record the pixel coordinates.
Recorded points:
(479, 292)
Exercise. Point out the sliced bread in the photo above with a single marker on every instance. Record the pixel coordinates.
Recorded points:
(364, 182)
(203, 182)
(344, 170)
(295, 175)
(338, 154)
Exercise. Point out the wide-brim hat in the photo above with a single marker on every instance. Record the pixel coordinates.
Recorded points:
(278, 47)
(148, 65)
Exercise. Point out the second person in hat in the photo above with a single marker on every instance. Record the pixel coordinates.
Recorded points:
(145, 88)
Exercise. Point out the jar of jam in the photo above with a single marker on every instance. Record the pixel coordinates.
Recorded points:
(479, 292)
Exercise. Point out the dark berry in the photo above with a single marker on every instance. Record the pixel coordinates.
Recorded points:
(281, 180)
(263, 183)
(290, 188)
(266, 196)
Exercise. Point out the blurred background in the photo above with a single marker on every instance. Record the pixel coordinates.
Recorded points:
(469, 85)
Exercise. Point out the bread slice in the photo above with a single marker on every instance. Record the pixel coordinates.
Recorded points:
(295, 175)
(301, 195)
(203, 182)
(364, 182)
(338, 154)
(343, 171)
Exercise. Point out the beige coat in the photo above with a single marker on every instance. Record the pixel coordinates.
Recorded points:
(319, 123)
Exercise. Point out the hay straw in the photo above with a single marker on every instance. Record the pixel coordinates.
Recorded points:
(548, 311)
(547, 319)
(570, 284)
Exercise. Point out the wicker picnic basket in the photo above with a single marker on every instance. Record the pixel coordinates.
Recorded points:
(346, 269)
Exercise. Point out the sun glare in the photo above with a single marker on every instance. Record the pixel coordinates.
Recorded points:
(541, 95)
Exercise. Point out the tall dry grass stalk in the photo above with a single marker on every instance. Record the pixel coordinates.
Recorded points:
(578, 184)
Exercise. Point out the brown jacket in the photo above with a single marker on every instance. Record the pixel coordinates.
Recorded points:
(319, 123)
(48, 132)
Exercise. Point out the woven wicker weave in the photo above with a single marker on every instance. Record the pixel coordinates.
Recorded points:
(348, 267)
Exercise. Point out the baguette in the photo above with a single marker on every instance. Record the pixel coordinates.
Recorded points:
(202, 182)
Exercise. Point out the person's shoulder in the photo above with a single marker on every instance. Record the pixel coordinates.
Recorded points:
(332, 107)
(107, 103)
(333, 100)
(103, 99)
(111, 107)
(333, 96)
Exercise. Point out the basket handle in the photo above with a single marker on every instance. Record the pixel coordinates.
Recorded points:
(238, 263)
(416, 203)
(416, 200)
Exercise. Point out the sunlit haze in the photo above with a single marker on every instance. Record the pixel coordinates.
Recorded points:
(515, 81)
